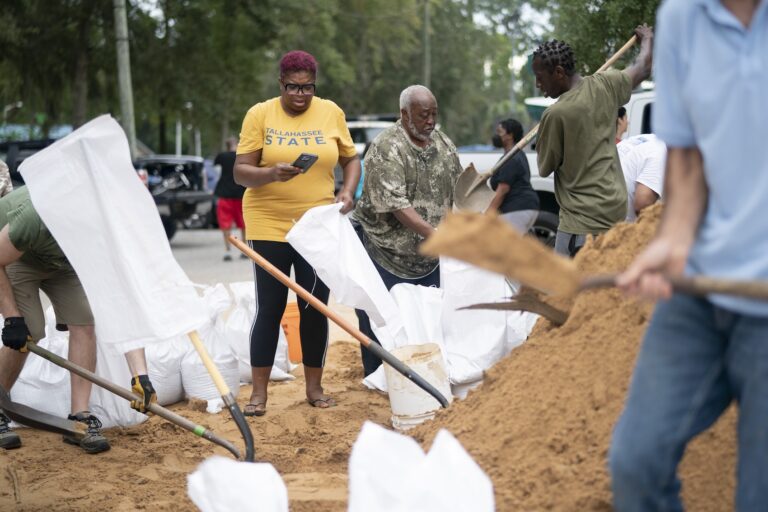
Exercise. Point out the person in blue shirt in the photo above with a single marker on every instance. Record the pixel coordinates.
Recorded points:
(701, 354)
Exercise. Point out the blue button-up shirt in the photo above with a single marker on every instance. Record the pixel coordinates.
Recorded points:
(712, 92)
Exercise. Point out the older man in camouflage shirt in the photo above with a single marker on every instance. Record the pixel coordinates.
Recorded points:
(410, 171)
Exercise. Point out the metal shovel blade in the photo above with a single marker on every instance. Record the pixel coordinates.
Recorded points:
(37, 419)
(471, 192)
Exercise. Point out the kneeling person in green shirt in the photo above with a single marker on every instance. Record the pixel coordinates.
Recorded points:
(31, 261)
(576, 138)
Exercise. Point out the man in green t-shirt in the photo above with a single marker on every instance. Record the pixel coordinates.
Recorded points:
(30, 262)
(576, 138)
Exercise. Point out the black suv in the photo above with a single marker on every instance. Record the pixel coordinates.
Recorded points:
(179, 187)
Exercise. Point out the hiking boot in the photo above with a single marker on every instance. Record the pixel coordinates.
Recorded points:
(94, 441)
(8, 438)
(243, 256)
(227, 257)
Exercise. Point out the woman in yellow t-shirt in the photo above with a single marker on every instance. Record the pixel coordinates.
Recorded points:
(274, 133)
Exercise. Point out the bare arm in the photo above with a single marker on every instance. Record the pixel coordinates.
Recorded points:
(409, 218)
(501, 191)
(8, 254)
(685, 201)
(351, 167)
(641, 68)
(248, 173)
(644, 197)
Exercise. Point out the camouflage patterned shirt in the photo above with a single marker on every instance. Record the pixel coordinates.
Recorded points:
(398, 175)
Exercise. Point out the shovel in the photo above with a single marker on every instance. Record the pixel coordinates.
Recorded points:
(164, 413)
(40, 420)
(471, 192)
(489, 242)
(316, 303)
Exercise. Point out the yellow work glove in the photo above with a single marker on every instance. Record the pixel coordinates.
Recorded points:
(141, 385)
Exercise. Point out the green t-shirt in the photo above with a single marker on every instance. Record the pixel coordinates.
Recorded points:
(398, 175)
(28, 233)
(577, 141)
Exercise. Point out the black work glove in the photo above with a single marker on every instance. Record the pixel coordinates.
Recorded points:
(15, 333)
(141, 385)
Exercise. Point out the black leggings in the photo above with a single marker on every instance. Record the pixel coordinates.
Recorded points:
(271, 297)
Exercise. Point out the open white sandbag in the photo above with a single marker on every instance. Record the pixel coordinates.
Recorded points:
(474, 339)
(195, 378)
(41, 384)
(390, 472)
(326, 239)
(87, 192)
(164, 366)
(237, 331)
(224, 485)
(420, 310)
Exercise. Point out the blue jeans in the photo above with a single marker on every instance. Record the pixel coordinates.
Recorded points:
(695, 360)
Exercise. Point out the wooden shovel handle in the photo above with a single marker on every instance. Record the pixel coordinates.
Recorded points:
(301, 292)
(696, 285)
(531, 134)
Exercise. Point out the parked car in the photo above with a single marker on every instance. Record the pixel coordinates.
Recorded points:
(178, 185)
(363, 130)
(14, 152)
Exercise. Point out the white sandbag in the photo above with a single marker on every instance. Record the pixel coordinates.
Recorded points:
(46, 386)
(474, 339)
(42, 385)
(420, 310)
(390, 472)
(225, 485)
(326, 239)
(112, 410)
(195, 378)
(164, 367)
(236, 330)
(87, 193)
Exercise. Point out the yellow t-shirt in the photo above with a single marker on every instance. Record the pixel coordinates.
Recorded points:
(270, 210)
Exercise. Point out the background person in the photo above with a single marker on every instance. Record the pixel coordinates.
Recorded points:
(275, 132)
(515, 199)
(622, 122)
(30, 262)
(576, 139)
(229, 203)
(410, 170)
(642, 160)
(700, 354)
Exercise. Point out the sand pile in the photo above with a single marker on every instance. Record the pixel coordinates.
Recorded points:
(540, 425)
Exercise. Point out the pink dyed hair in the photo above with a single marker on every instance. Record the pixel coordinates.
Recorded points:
(297, 60)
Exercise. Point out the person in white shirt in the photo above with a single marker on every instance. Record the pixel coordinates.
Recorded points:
(642, 160)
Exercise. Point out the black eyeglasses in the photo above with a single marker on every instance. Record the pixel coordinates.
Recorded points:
(299, 88)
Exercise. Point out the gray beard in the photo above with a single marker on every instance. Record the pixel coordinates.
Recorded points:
(415, 134)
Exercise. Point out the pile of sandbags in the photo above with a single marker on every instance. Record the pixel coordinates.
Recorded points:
(174, 366)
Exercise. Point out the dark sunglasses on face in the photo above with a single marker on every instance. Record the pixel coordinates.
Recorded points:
(299, 88)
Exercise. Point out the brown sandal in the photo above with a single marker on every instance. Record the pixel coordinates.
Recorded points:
(257, 409)
(322, 403)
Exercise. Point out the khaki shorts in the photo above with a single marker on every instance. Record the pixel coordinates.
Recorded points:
(63, 289)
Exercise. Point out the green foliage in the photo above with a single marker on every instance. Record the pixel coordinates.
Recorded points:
(595, 29)
(205, 62)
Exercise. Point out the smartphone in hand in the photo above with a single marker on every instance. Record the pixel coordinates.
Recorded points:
(305, 161)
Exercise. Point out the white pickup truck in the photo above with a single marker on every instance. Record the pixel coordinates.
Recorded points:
(639, 113)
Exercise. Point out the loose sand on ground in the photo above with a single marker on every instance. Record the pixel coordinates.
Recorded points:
(539, 426)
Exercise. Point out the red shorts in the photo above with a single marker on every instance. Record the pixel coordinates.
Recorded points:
(229, 211)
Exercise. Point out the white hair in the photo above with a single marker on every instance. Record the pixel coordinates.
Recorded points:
(406, 97)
